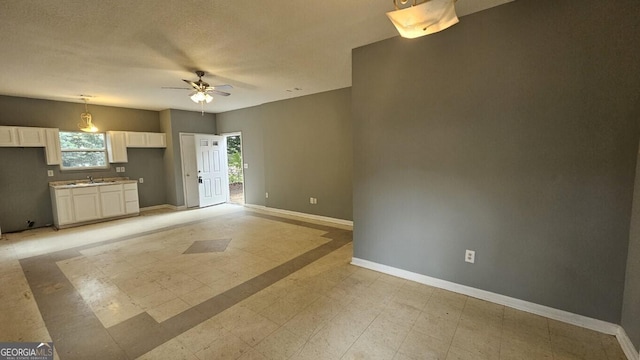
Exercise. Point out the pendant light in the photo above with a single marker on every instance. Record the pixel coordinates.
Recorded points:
(86, 123)
(422, 18)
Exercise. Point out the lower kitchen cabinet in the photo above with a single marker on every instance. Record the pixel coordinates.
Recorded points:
(87, 204)
(111, 200)
(62, 207)
(132, 206)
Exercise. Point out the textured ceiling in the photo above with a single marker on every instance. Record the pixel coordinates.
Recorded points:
(124, 52)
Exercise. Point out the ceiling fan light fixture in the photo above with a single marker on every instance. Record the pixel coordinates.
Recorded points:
(197, 97)
(422, 19)
(201, 97)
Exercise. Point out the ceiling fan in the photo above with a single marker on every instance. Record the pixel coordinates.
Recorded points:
(202, 91)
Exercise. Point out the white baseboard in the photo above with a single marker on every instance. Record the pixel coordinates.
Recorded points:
(163, 206)
(302, 215)
(551, 313)
(627, 345)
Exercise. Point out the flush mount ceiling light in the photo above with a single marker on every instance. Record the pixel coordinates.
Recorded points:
(424, 17)
(86, 123)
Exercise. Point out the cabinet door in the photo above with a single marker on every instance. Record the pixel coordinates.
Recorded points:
(86, 204)
(8, 136)
(111, 200)
(136, 139)
(52, 149)
(31, 137)
(132, 206)
(117, 147)
(65, 210)
(156, 140)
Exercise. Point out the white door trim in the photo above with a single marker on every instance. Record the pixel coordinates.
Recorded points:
(182, 170)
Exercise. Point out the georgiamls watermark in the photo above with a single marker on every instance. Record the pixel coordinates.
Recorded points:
(26, 351)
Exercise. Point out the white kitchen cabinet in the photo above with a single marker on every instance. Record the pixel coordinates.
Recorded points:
(89, 203)
(132, 206)
(146, 140)
(111, 200)
(136, 139)
(62, 207)
(8, 136)
(157, 140)
(117, 146)
(86, 203)
(19, 136)
(31, 137)
(52, 148)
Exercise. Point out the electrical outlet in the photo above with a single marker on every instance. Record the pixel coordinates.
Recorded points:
(310, 200)
(49, 173)
(470, 256)
(266, 195)
(246, 166)
(141, 180)
(122, 169)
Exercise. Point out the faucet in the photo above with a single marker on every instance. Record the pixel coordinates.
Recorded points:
(90, 178)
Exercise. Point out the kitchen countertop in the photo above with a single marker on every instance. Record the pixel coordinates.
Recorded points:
(69, 184)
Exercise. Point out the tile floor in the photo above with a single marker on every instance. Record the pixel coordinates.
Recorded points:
(280, 289)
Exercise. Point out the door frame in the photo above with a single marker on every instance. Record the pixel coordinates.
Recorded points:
(182, 169)
(244, 179)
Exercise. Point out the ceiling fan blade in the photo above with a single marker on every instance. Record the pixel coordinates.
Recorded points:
(176, 88)
(218, 92)
(194, 85)
(222, 87)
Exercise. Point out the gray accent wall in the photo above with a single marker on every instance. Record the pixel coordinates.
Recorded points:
(173, 122)
(297, 149)
(631, 300)
(24, 190)
(515, 134)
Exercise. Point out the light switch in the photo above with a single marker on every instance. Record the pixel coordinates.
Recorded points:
(49, 173)
(246, 166)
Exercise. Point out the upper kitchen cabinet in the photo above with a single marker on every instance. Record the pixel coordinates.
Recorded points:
(146, 140)
(8, 136)
(22, 136)
(31, 137)
(119, 141)
(117, 146)
(52, 148)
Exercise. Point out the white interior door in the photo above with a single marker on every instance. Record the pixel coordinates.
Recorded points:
(189, 170)
(211, 158)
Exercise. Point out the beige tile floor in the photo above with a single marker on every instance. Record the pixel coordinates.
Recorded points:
(327, 310)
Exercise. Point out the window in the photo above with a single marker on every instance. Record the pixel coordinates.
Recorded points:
(81, 150)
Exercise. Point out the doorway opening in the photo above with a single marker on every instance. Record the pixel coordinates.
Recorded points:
(235, 167)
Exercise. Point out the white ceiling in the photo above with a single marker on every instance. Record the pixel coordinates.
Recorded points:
(122, 52)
